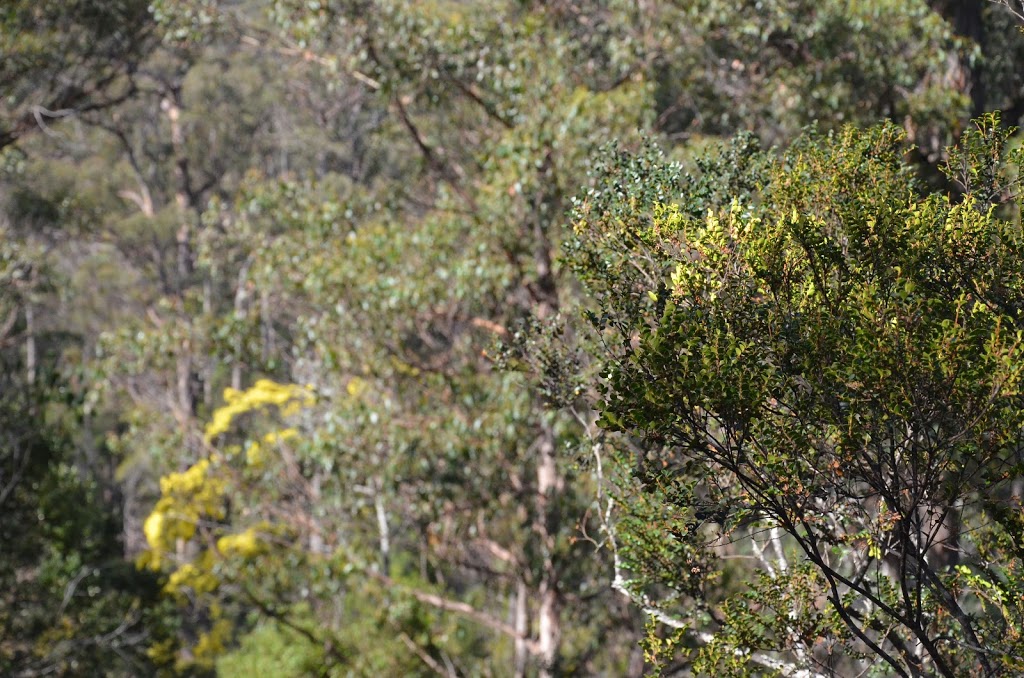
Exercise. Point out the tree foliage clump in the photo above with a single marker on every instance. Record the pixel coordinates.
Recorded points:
(58, 59)
(830, 359)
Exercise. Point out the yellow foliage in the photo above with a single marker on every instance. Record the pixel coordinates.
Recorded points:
(162, 653)
(197, 492)
(196, 484)
(187, 497)
(281, 436)
(245, 544)
(199, 577)
(198, 496)
(264, 393)
(255, 455)
(213, 643)
(153, 528)
(356, 387)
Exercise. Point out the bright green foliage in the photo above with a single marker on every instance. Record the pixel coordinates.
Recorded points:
(273, 650)
(830, 354)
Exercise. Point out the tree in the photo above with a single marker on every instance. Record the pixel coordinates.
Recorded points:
(384, 289)
(368, 197)
(63, 58)
(71, 603)
(826, 365)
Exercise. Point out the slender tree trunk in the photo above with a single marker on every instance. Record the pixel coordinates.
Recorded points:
(31, 350)
(266, 326)
(384, 532)
(546, 204)
(187, 202)
(236, 375)
(207, 369)
(241, 311)
(549, 629)
(316, 537)
(183, 196)
(521, 623)
(186, 399)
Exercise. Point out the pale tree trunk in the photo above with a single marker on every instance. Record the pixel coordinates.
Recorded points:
(183, 196)
(266, 326)
(384, 532)
(549, 629)
(547, 202)
(316, 536)
(522, 621)
(207, 385)
(236, 375)
(31, 351)
(187, 202)
(186, 401)
(241, 311)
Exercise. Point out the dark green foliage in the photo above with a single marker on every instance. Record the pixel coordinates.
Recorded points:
(61, 58)
(71, 604)
(840, 356)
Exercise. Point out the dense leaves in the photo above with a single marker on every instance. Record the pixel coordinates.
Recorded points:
(61, 58)
(304, 361)
(836, 356)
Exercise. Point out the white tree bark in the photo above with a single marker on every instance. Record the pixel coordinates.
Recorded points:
(549, 629)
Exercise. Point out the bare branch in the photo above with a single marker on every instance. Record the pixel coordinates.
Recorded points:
(1019, 13)
(459, 607)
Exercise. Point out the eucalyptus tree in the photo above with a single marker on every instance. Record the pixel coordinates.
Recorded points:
(63, 58)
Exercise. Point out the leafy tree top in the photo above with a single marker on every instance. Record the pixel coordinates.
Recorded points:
(833, 353)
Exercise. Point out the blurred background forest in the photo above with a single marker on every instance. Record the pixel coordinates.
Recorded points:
(293, 374)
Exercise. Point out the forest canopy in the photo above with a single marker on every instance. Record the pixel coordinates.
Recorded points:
(359, 337)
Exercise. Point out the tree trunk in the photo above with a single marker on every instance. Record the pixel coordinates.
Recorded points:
(186, 399)
(549, 630)
(186, 200)
(183, 195)
(965, 17)
(521, 623)
(31, 351)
